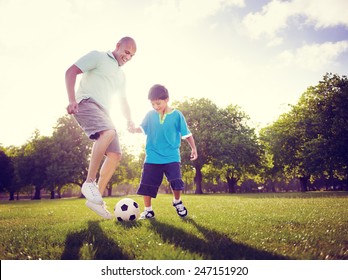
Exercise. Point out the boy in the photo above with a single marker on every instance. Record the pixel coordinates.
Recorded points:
(164, 128)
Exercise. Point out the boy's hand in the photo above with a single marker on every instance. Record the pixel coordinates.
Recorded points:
(194, 154)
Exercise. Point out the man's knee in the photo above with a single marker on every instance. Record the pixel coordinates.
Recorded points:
(114, 157)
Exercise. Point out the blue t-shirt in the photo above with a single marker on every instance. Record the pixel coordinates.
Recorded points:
(164, 136)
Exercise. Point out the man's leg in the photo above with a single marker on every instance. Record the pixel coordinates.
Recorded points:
(108, 168)
(98, 152)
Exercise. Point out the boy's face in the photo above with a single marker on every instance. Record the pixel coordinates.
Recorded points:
(160, 105)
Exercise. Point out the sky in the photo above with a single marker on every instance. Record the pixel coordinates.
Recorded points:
(258, 54)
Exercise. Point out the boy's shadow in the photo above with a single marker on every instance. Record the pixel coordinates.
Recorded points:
(215, 246)
(102, 247)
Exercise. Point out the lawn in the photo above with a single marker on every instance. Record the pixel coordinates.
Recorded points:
(312, 226)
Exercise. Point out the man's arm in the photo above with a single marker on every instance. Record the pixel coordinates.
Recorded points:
(70, 80)
(127, 113)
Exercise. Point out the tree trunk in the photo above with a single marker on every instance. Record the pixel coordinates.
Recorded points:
(12, 195)
(59, 192)
(231, 181)
(109, 190)
(52, 194)
(304, 182)
(232, 184)
(198, 181)
(37, 194)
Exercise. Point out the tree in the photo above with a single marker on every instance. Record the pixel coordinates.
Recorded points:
(201, 116)
(238, 152)
(311, 140)
(52, 162)
(37, 156)
(223, 139)
(328, 145)
(69, 155)
(6, 172)
(19, 170)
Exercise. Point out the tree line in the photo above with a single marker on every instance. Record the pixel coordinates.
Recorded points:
(305, 149)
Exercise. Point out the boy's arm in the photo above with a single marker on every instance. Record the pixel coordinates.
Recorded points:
(191, 141)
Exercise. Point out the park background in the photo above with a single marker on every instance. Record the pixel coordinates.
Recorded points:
(264, 90)
(252, 62)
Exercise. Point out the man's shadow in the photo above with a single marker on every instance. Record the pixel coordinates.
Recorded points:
(102, 247)
(214, 245)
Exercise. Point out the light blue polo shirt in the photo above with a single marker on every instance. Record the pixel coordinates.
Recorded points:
(164, 136)
(102, 77)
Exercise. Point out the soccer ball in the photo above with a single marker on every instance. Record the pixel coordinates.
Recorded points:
(126, 210)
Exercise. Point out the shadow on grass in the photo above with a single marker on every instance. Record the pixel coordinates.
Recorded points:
(101, 246)
(215, 245)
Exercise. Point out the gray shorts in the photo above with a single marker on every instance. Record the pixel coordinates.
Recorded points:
(93, 119)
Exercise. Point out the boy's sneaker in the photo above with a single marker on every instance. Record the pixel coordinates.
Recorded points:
(180, 209)
(100, 210)
(147, 215)
(91, 191)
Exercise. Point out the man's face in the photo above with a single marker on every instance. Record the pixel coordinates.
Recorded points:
(124, 52)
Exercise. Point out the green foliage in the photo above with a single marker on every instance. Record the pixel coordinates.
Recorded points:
(201, 116)
(311, 141)
(6, 171)
(256, 226)
(223, 139)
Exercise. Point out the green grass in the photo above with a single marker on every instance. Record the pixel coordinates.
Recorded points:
(240, 226)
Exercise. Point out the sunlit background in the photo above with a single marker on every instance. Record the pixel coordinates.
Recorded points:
(261, 55)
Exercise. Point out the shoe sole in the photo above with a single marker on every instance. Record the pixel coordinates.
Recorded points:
(95, 211)
(147, 218)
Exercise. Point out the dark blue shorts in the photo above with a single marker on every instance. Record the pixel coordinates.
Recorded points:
(152, 176)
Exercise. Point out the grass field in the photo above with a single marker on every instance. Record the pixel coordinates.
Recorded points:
(312, 226)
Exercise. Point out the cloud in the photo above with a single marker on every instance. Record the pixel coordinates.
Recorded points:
(274, 17)
(325, 13)
(269, 21)
(315, 57)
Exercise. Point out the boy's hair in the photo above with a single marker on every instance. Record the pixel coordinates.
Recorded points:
(158, 92)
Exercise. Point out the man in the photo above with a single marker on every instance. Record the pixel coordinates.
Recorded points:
(90, 105)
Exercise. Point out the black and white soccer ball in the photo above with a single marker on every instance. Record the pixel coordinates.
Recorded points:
(127, 210)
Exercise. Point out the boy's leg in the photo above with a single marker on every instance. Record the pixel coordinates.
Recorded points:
(151, 179)
(173, 174)
(148, 212)
(177, 194)
(177, 203)
(147, 201)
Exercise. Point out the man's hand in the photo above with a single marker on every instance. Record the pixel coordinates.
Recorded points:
(72, 108)
(131, 126)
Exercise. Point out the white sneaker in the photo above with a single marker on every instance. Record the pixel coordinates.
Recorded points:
(100, 210)
(91, 191)
(180, 209)
(147, 215)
